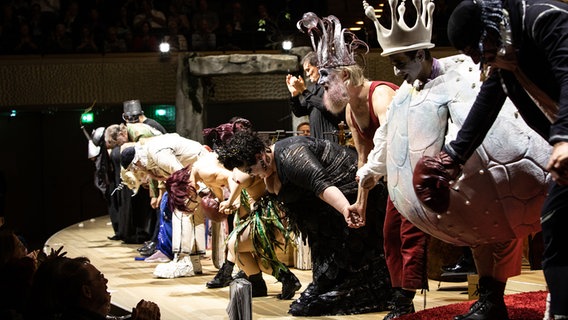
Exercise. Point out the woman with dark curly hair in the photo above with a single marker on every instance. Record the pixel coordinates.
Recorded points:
(253, 251)
(315, 181)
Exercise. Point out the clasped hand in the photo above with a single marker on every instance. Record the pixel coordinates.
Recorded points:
(354, 215)
(226, 207)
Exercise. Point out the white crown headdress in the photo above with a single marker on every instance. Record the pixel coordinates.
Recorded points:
(400, 37)
(334, 46)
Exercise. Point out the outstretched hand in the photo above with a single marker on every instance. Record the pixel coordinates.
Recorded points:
(57, 253)
(432, 178)
(41, 256)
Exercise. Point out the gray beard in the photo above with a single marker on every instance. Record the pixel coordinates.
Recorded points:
(335, 99)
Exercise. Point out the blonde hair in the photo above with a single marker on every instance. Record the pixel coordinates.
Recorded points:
(356, 76)
(133, 179)
(111, 134)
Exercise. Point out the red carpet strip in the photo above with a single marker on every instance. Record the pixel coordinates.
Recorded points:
(521, 306)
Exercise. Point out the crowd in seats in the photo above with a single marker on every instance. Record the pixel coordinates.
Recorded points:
(73, 26)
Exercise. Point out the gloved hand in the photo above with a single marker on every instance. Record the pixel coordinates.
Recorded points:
(431, 179)
(210, 207)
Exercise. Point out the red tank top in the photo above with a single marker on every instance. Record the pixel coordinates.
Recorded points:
(374, 124)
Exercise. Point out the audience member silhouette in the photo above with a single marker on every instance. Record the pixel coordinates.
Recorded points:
(17, 268)
(72, 288)
(144, 40)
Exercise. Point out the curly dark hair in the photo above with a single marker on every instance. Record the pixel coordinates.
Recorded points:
(241, 150)
(224, 132)
(180, 191)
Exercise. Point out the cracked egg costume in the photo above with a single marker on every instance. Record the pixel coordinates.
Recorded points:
(503, 185)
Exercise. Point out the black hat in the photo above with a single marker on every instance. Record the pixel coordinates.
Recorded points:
(126, 157)
(132, 108)
(464, 25)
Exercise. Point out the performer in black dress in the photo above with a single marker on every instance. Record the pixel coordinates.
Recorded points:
(315, 180)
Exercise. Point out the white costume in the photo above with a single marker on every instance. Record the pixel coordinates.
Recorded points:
(499, 194)
(169, 153)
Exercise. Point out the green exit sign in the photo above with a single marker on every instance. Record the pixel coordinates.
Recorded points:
(87, 117)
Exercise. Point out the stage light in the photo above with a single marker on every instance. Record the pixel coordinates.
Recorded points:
(164, 47)
(13, 113)
(286, 45)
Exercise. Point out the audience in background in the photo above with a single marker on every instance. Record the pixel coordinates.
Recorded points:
(175, 38)
(26, 44)
(112, 42)
(203, 39)
(204, 13)
(144, 40)
(234, 25)
(87, 42)
(59, 41)
(155, 18)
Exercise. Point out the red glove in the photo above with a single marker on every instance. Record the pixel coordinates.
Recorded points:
(431, 180)
(210, 207)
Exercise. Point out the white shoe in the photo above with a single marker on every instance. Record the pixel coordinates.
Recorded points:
(158, 256)
(174, 269)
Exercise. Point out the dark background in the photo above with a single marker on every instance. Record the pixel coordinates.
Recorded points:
(43, 156)
(49, 180)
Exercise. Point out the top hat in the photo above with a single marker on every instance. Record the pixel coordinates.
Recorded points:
(132, 108)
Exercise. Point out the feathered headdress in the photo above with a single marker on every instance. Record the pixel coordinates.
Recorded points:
(334, 46)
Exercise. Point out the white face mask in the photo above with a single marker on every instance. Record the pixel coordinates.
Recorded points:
(410, 71)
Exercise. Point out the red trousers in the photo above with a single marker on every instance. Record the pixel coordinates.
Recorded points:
(405, 251)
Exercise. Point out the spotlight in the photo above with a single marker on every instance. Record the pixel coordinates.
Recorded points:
(286, 45)
(164, 47)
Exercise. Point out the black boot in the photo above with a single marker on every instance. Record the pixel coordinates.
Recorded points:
(464, 266)
(290, 284)
(240, 275)
(402, 304)
(223, 277)
(258, 285)
(490, 305)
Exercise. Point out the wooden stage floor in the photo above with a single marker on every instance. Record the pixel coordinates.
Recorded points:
(188, 298)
